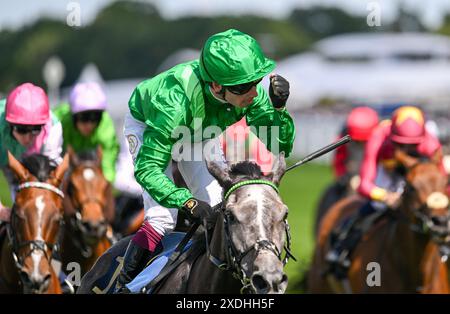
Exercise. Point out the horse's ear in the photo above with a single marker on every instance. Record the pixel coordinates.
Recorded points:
(58, 174)
(437, 157)
(73, 158)
(278, 169)
(18, 169)
(220, 173)
(406, 160)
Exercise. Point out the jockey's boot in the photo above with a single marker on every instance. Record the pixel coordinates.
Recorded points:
(346, 239)
(134, 262)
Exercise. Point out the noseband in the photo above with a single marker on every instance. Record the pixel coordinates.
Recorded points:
(233, 257)
(428, 225)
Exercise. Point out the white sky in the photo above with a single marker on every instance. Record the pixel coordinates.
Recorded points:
(16, 13)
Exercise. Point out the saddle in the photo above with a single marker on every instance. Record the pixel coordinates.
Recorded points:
(154, 266)
(106, 283)
(344, 239)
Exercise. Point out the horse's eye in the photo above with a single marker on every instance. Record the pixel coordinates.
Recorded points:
(230, 217)
(57, 217)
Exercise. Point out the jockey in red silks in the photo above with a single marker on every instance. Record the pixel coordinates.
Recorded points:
(382, 177)
(406, 132)
(347, 160)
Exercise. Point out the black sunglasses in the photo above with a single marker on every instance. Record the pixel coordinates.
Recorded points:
(25, 129)
(89, 116)
(242, 89)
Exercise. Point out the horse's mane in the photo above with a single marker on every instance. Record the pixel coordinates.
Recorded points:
(39, 166)
(246, 168)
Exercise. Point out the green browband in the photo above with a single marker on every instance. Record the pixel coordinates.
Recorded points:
(248, 182)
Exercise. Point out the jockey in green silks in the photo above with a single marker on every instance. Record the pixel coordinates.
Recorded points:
(193, 98)
(86, 125)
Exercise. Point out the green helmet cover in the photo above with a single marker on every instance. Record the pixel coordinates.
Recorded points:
(232, 58)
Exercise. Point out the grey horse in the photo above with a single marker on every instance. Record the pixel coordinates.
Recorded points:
(244, 247)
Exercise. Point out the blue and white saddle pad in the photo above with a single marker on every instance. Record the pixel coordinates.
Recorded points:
(169, 243)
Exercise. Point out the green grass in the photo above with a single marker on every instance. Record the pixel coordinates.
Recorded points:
(5, 197)
(300, 191)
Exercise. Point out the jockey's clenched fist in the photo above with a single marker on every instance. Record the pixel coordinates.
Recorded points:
(278, 90)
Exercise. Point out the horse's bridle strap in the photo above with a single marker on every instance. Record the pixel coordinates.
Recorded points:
(40, 185)
(248, 182)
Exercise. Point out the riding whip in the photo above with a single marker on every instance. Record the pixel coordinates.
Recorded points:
(322, 151)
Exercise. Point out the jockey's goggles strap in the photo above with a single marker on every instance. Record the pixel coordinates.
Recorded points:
(249, 182)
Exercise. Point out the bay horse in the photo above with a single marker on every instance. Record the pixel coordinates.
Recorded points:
(88, 210)
(244, 247)
(33, 231)
(336, 191)
(407, 242)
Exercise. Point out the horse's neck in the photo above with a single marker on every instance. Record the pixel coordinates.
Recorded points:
(218, 244)
(218, 248)
(110, 206)
(409, 244)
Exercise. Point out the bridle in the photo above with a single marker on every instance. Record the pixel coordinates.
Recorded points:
(232, 255)
(426, 224)
(76, 220)
(35, 245)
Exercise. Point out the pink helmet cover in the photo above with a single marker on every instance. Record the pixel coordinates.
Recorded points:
(27, 104)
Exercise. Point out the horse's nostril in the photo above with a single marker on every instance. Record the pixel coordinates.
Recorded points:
(46, 283)
(260, 284)
(89, 226)
(282, 284)
(284, 279)
(439, 220)
(25, 278)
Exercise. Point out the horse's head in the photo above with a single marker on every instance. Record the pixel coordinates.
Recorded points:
(254, 223)
(88, 192)
(35, 219)
(425, 193)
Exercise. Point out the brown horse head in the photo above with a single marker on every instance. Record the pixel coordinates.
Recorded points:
(426, 194)
(35, 219)
(89, 194)
(255, 224)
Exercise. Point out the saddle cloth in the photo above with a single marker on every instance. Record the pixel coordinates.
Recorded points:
(169, 243)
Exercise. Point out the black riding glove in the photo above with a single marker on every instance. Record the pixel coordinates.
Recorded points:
(200, 211)
(278, 91)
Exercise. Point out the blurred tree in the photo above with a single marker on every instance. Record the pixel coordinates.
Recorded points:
(406, 21)
(320, 22)
(445, 28)
(25, 52)
(130, 39)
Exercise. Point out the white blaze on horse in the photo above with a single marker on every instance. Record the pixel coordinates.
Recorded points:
(34, 227)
